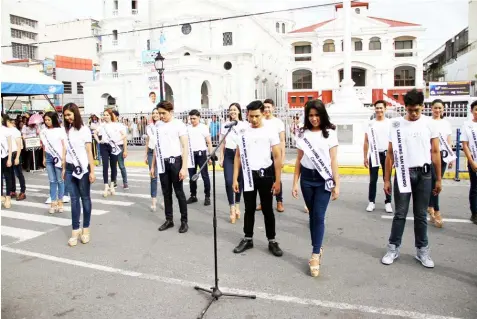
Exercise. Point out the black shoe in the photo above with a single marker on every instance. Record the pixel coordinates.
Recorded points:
(243, 246)
(473, 218)
(192, 199)
(273, 247)
(184, 228)
(207, 201)
(168, 224)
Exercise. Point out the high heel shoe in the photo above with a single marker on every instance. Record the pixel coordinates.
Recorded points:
(112, 190)
(53, 207)
(85, 236)
(315, 263)
(232, 214)
(8, 202)
(153, 206)
(75, 234)
(237, 211)
(106, 190)
(61, 208)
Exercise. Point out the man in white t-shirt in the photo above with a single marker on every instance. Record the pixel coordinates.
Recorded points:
(276, 125)
(413, 148)
(261, 175)
(123, 145)
(198, 137)
(376, 141)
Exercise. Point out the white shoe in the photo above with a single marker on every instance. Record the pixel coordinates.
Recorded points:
(48, 201)
(371, 207)
(66, 199)
(391, 254)
(389, 208)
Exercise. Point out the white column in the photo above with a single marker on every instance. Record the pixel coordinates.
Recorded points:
(347, 42)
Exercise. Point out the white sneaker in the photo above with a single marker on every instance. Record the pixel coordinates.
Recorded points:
(48, 201)
(66, 199)
(389, 208)
(370, 207)
(391, 255)
(422, 254)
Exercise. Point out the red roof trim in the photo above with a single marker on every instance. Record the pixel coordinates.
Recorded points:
(353, 5)
(312, 28)
(395, 23)
(16, 61)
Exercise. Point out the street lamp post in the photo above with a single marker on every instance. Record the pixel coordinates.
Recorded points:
(159, 65)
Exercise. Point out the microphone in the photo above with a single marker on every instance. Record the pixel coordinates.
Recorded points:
(233, 123)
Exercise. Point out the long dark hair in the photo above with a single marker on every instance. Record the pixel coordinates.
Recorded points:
(320, 108)
(78, 121)
(5, 119)
(443, 106)
(55, 121)
(239, 110)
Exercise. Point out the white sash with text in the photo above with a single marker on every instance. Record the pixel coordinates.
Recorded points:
(55, 153)
(448, 154)
(190, 162)
(472, 136)
(373, 146)
(400, 159)
(115, 150)
(80, 168)
(159, 158)
(244, 160)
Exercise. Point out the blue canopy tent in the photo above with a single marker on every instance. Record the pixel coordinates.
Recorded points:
(21, 81)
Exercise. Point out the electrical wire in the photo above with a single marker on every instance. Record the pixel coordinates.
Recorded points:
(245, 15)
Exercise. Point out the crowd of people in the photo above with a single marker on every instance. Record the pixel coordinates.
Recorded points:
(417, 147)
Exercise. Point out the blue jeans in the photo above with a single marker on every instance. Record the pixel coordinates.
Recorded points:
(373, 178)
(229, 156)
(473, 190)
(57, 186)
(317, 199)
(153, 179)
(122, 168)
(421, 183)
(80, 189)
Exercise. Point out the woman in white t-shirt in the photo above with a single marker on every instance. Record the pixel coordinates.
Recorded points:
(226, 160)
(78, 172)
(445, 130)
(53, 139)
(7, 165)
(17, 146)
(317, 168)
(148, 158)
(111, 133)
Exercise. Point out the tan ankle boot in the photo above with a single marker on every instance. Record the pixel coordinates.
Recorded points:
(106, 190)
(85, 237)
(280, 207)
(61, 208)
(8, 202)
(237, 211)
(53, 207)
(112, 191)
(438, 219)
(73, 241)
(314, 264)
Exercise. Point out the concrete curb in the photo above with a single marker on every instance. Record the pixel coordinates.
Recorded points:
(344, 170)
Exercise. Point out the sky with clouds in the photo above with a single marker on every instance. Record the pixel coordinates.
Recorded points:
(441, 18)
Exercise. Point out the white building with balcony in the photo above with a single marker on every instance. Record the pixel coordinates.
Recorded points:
(209, 65)
(387, 58)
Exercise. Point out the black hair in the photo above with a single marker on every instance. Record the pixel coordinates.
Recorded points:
(78, 121)
(5, 119)
(194, 112)
(413, 98)
(255, 105)
(474, 104)
(166, 105)
(269, 101)
(320, 108)
(152, 93)
(381, 102)
(238, 108)
(55, 121)
(437, 101)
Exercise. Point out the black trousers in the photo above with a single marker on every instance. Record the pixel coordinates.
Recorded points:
(262, 185)
(17, 170)
(199, 160)
(373, 178)
(7, 173)
(109, 159)
(170, 180)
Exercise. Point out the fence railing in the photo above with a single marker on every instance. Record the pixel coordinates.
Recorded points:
(459, 152)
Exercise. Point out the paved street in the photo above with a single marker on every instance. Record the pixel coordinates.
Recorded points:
(130, 270)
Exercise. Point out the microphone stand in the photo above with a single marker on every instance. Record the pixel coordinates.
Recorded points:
(215, 291)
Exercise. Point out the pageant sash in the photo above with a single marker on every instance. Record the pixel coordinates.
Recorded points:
(319, 160)
(115, 149)
(400, 159)
(447, 152)
(472, 136)
(51, 150)
(373, 146)
(244, 159)
(80, 168)
(159, 157)
(190, 162)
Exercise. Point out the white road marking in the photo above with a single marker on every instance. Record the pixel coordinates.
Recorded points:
(20, 233)
(119, 194)
(67, 208)
(262, 295)
(448, 220)
(37, 218)
(95, 200)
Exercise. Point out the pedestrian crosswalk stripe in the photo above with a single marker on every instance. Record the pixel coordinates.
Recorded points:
(94, 200)
(22, 234)
(449, 220)
(45, 206)
(119, 194)
(37, 218)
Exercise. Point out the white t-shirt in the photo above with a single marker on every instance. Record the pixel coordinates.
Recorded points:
(443, 127)
(28, 131)
(169, 137)
(78, 139)
(276, 123)
(151, 133)
(123, 129)
(417, 137)
(54, 137)
(259, 141)
(4, 134)
(14, 133)
(111, 130)
(382, 133)
(230, 140)
(464, 137)
(197, 135)
(319, 142)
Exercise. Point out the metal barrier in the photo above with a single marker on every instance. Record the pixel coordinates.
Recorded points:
(458, 149)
